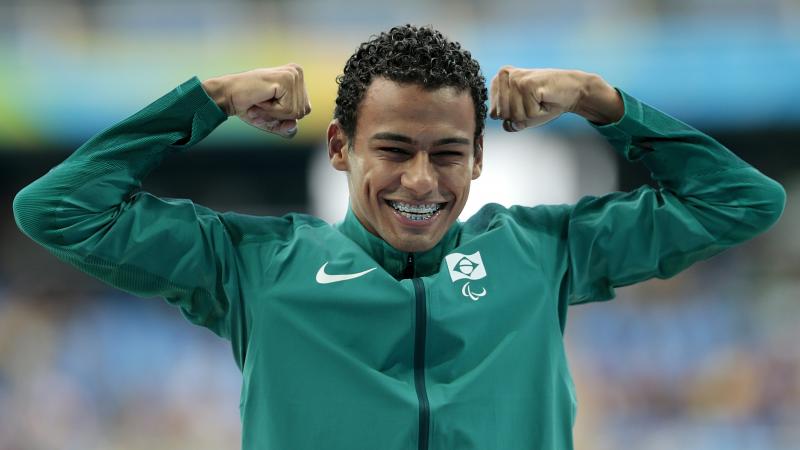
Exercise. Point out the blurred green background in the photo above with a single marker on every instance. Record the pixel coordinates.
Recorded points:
(706, 360)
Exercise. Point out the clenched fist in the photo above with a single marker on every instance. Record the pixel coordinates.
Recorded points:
(272, 99)
(532, 97)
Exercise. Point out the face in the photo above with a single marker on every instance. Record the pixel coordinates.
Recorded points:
(411, 162)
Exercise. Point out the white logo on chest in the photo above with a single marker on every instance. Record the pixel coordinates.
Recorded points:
(467, 267)
(325, 278)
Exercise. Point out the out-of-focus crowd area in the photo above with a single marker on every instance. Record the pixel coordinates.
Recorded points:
(706, 360)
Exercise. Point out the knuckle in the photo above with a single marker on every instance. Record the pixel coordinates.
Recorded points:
(283, 108)
(286, 77)
(295, 69)
(507, 69)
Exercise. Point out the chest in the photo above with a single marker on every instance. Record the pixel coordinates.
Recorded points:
(488, 293)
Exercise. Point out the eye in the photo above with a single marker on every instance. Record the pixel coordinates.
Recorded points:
(450, 156)
(394, 151)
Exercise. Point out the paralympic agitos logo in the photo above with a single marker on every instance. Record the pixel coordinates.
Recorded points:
(467, 267)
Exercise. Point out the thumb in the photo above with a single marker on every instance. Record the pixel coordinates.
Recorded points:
(283, 128)
(512, 126)
(286, 128)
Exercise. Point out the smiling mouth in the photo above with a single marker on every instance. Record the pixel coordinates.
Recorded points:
(416, 212)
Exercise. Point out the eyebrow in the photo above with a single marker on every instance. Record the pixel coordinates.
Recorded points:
(386, 136)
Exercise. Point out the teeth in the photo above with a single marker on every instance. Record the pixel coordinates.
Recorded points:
(416, 209)
(416, 212)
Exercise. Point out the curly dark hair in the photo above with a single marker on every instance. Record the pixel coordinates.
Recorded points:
(408, 54)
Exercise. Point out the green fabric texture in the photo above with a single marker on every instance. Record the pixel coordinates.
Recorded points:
(331, 365)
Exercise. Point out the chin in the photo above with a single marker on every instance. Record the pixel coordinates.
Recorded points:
(414, 245)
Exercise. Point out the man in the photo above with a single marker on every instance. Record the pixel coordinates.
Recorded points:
(399, 328)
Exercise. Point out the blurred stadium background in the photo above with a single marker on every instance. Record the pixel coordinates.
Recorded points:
(706, 360)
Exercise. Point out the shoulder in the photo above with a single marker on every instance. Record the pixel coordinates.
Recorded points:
(246, 228)
(542, 218)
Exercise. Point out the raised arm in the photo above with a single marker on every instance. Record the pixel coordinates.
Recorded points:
(708, 199)
(89, 210)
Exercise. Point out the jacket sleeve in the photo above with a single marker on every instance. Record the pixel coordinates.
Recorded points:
(89, 211)
(707, 200)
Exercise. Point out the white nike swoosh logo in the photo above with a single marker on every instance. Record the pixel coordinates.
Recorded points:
(325, 278)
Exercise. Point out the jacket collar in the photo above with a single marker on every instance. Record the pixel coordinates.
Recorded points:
(395, 261)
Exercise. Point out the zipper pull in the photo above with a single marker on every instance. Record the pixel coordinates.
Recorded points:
(409, 271)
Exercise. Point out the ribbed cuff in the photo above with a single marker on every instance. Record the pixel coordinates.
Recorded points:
(191, 96)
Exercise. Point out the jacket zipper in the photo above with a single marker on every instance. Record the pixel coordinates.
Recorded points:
(419, 355)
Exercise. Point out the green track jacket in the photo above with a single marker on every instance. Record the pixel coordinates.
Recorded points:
(345, 343)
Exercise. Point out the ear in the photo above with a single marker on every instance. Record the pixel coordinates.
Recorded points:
(477, 164)
(337, 146)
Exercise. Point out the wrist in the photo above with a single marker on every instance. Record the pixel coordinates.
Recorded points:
(599, 102)
(215, 88)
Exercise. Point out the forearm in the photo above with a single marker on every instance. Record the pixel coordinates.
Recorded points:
(700, 171)
(104, 171)
(173, 123)
(215, 88)
(707, 201)
(88, 212)
(598, 102)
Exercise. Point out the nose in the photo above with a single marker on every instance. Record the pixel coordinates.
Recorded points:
(419, 176)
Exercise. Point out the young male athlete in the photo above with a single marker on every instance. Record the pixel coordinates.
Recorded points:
(400, 327)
